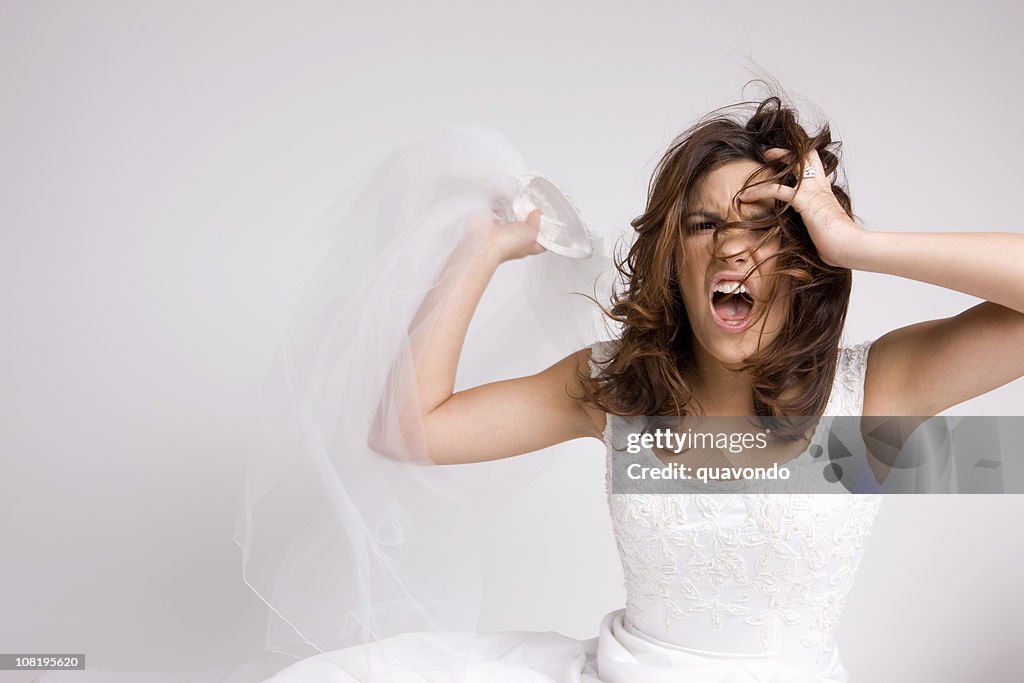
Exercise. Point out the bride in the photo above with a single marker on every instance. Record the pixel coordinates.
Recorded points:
(733, 300)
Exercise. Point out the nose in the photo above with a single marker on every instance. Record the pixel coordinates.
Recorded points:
(734, 246)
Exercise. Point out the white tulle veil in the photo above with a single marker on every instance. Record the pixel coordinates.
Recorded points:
(346, 545)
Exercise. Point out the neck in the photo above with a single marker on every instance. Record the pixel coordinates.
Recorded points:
(718, 389)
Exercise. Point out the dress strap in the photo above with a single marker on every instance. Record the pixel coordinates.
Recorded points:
(600, 353)
(849, 382)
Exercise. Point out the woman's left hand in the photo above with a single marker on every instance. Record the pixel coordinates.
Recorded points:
(831, 229)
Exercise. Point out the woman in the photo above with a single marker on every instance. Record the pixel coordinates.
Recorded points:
(736, 293)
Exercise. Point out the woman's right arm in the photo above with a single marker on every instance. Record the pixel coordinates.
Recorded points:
(503, 418)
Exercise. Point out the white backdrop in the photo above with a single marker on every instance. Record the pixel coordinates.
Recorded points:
(162, 166)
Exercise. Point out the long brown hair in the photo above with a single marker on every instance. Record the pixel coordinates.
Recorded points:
(645, 374)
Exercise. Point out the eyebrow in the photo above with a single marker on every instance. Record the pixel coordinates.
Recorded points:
(715, 217)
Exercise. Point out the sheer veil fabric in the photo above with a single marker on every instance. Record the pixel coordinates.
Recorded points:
(348, 532)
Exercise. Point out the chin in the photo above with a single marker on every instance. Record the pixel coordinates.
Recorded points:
(731, 357)
(737, 350)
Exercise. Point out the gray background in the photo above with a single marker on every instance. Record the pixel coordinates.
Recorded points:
(162, 166)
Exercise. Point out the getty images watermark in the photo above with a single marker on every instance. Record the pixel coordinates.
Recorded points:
(817, 455)
(665, 440)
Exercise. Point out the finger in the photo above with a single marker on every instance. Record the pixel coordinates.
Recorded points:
(776, 153)
(816, 164)
(533, 219)
(768, 191)
(813, 162)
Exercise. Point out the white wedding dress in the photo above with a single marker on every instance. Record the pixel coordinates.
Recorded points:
(722, 586)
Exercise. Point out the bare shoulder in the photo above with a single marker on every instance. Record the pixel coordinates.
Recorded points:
(928, 367)
(597, 416)
(567, 377)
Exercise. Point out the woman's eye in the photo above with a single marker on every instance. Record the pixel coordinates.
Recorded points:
(703, 226)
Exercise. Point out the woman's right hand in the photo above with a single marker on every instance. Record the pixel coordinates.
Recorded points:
(513, 240)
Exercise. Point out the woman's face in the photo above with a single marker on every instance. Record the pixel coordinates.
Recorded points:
(721, 330)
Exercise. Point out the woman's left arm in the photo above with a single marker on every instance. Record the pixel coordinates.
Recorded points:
(925, 368)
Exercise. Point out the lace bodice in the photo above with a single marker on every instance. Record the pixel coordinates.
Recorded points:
(725, 572)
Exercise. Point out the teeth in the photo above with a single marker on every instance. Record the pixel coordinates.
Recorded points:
(731, 287)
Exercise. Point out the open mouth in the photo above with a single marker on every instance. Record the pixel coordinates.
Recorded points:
(732, 304)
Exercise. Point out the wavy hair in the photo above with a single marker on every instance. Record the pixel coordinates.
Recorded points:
(645, 374)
